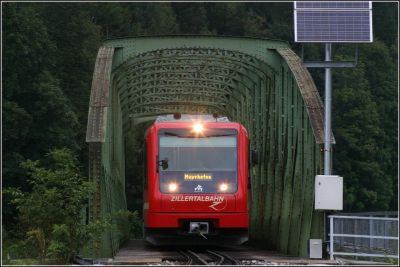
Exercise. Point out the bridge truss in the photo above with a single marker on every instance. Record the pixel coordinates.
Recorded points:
(259, 83)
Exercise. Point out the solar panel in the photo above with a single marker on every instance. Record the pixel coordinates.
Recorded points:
(333, 22)
(331, 4)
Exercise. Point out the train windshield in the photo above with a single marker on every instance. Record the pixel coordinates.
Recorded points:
(198, 164)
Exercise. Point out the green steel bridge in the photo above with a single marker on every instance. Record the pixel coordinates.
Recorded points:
(258, 82)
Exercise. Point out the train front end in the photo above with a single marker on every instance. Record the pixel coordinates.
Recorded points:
(197, 181)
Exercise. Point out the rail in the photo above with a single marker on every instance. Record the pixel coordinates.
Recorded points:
(363, 236)
(208, 257)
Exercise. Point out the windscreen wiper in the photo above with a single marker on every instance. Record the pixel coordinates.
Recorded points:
(173, 134)
(219, 135)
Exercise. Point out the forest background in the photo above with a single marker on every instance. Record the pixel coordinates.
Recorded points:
(49, 51)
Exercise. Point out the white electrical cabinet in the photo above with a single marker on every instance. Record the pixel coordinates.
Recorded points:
(328, 192)
(315, 249)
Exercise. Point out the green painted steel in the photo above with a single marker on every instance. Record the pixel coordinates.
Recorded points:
(260, 83)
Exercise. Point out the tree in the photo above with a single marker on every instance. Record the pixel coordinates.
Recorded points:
(385, 20)
(381, 71)
(115, 19)
(27, 48)
(77, 40)
(222, 18)
(278, 19)
(153, 19)
(50, 214)
(37, 115)
(357, 154)
(192, 17)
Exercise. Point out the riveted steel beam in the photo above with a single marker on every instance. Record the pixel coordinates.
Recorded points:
(259, 83)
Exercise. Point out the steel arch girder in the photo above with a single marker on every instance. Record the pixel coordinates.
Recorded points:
(275, 106)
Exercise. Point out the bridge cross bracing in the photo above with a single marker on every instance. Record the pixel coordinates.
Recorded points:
(257, 82)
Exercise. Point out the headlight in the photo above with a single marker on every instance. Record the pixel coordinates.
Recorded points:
(198, 128)
(223, 187)
(172, 187)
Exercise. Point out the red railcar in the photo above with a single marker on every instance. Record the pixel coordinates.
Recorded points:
(196, 185)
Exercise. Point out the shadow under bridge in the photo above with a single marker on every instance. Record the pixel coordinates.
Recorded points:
(257, 82)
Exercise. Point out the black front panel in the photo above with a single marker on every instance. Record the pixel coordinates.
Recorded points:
(205, 163)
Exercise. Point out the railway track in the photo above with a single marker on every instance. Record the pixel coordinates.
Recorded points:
(138, 252)
(208, 257)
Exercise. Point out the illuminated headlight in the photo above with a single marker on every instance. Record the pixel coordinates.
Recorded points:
(198, 128)
(172, 187)
(223, 187)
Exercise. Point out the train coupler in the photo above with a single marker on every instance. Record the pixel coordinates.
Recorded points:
(200, 228)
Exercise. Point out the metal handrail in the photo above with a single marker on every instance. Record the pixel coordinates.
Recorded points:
(332, 235)
(364, 217)
(367, 236)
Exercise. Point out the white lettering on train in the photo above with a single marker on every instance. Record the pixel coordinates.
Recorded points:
(197, 198)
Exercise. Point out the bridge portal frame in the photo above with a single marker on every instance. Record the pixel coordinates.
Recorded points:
(260, 83)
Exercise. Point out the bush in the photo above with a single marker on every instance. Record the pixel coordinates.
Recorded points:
(128, 224)
(14, 247)
(50, 215)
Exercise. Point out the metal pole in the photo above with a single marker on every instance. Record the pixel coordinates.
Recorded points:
(328, 109)
(331, 238)
(371, 245)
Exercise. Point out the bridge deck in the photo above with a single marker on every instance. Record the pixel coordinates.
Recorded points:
(136, 252)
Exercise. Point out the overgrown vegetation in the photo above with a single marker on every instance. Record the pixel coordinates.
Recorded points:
(48, 57)
(50, 221)
(51, 224)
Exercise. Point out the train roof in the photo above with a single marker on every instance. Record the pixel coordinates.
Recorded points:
(190, 118)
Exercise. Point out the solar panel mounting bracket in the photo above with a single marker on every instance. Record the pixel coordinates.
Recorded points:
(330, 64)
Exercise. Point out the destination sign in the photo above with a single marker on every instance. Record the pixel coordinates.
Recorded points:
(197, 176)
(198, 181)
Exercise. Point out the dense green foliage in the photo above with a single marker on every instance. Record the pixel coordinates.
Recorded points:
(50, 215)
(48, 57)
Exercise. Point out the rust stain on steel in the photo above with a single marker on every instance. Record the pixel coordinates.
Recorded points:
(308, 90)
(98, 105)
